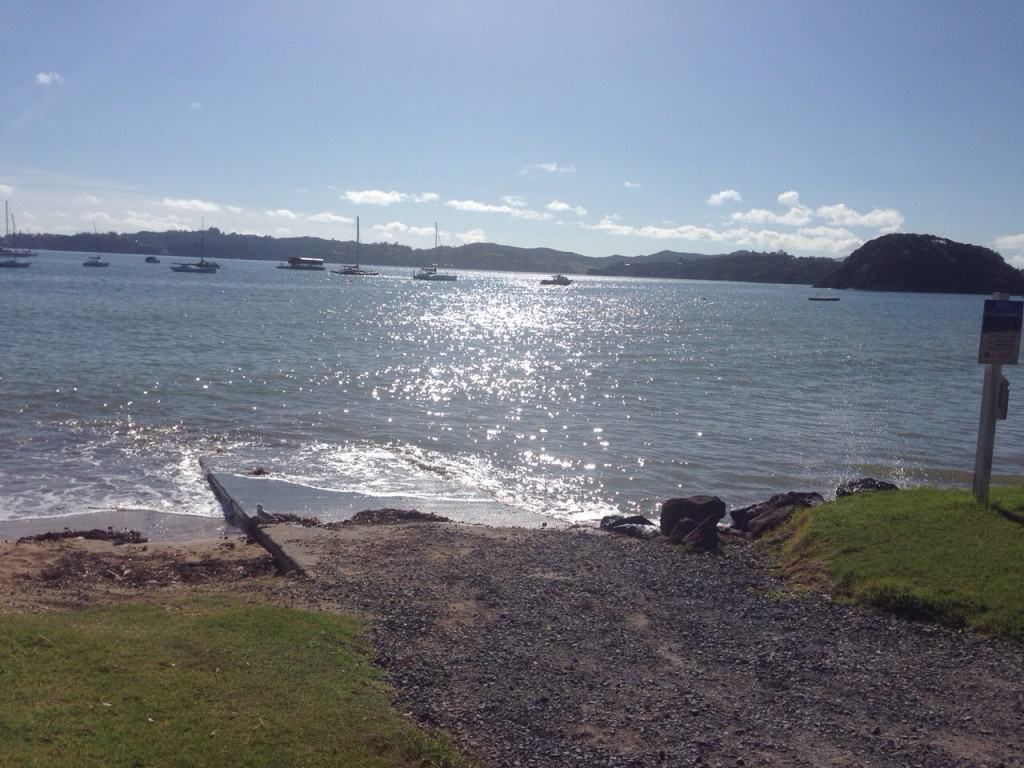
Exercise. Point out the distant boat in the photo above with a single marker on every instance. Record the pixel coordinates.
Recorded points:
(307, 263)
(823, 298)
(431, 273)
(95, 261)
(152, 260)
(197, 267)
(354, 270)
(556, 280)
(9, 257)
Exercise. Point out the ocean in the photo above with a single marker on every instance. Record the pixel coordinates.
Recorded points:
(606, 396)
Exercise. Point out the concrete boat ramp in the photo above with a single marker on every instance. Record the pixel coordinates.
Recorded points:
(293, 545)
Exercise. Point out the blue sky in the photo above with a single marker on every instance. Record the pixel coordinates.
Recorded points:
(597, 127)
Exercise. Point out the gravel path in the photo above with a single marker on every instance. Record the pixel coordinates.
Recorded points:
(573, 648)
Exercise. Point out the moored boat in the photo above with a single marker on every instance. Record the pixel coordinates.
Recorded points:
(556, 280)
(354, 270)
(307, 263)
(95, 261)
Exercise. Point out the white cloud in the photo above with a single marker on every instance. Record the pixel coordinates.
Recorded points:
(828, 239)
(374, 197)
(144, 220)
(426, 197)
(6, 189)
(797, 216)
(196, 105)
(472, 236)
(632, 184)
(326, 217)
(548, 168)
(183, 204)
(49, 78)
(725, 196)
(610, 225)
(233, 208)
(885, 220)
(395, 228)
(515, 201)
(518, 213)
(790, 199)
(558, 205)
(282, 213)
(1010, 242)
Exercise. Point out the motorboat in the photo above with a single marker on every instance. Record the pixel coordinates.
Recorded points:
(152, 260)
(307, 263)
(95, 261)
(354, 270)
(431, 273)
(556, 280)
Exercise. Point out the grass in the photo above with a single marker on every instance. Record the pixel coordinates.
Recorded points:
(925, 554)
(210, 682)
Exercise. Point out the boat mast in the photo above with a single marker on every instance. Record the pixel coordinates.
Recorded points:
(435, 237)
(202, 239)
(357, 241)
(7, 224)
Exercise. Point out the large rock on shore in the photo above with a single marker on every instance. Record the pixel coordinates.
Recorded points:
(693, 521)
(758, 519)
(864, 485)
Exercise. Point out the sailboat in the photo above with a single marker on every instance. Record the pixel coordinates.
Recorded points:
(431, 273)
(9, 257)
(95, 261)
(197, 267)
(354, 270)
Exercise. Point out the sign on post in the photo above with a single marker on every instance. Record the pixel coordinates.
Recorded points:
(1000, 332)
(1000, 345)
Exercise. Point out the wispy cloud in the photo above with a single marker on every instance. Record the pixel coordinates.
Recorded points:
(49, 78)
(559, 206)
(797, 214)
(283, 213)
(548, 168)
(885, 220)
(632, 184)
(183, 204)
(373, 197)
(515, 201)
(196, 105)
(725, 196)
(474, 206)
(396, 228)
(326, 217)
(6, 189)
(472, 236)
(426, 197)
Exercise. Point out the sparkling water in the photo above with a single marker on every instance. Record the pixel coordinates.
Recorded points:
(608, 395)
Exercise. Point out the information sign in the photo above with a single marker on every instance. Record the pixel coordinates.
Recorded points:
(1000, 332)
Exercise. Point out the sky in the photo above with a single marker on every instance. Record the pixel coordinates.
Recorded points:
(582, 125)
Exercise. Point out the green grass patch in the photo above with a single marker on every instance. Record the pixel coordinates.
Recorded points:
(211, 682)
(924, 553)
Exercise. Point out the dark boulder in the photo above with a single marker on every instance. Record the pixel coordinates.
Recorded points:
(637, 526)
(758, 519)
(698, 515)
(864, 485)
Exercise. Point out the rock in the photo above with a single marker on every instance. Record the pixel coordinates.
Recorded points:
(758, 519)
(702, 538)
(696, 509)
(864, 485)
(258, 472)
(637, 526)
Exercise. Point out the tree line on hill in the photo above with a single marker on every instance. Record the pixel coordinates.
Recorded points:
(895, 262)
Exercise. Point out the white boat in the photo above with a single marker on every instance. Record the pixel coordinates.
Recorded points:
(95, 261)
(197, 267)
(431, 273)
(556, 280)
(9, 257)
(307, 263)
(354, 270)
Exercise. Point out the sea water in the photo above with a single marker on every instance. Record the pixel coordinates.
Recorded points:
(605, 396)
